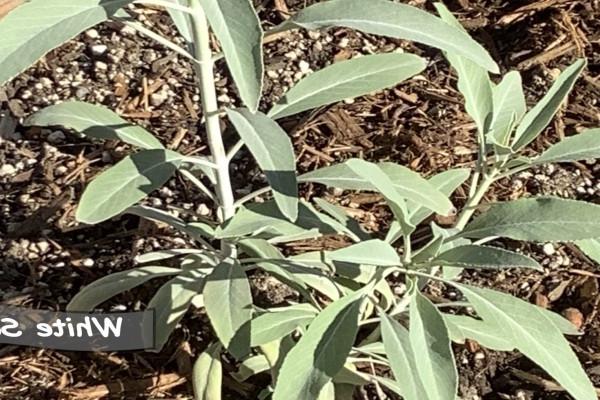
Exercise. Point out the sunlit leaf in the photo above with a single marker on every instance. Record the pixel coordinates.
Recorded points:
(538, 219)
(509, 107)
(392, 20)
(228, 303)
(97, 292)
(591, 248)
(238, 29)
(94, 121)
(583, 146)
(278, 322)
(38, 26)
(538, 118)
(484, 257)
(370, 252)
(347, 79)
(207, 375)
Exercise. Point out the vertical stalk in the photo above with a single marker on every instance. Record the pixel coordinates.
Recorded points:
(475, 199)
(206, 80)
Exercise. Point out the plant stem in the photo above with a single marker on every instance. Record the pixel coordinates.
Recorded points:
(475, 198)
(204, 70)
(252, 195)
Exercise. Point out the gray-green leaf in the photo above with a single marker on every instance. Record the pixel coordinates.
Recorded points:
(171, 302)
(393, 20)
(406, 182)
(462, 327)
(182, 20)
(530, 331)
(538, 219)
(539, 117)
(402, 359)
(126, 183)
(591, 248)
(207, 375)
(94, 121)
(429, 340)
(228, 303)
(583, 146)
(475, 256)
(473, 80)
(38, 26)
(509, 107)
(371, 252)
(347, 79)
(273, 151)
(278, 322)
(238, 29)
(111, 285)
(321, 352)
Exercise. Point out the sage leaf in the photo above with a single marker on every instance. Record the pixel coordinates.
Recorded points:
(394, 20)
(265, 219)
(402, 359)
(165, 255)
(445, 182)
(535, 335)
(182, 20)
(462, 327)
(407, 183)
(484, 257)
(273, 151)
(536, 120)
(509, 107)
(538, 219)
(429, 340)
(97, 292)
(321, 352)
(251, 366)
(473, 80)
(384, 185)
(95, 122)
(351, 227)
(38, 26)
(207, 375)
(171, 302)
(371, 252)
(238, 29)
(583, 146)
(279, 322)
(347, 79)
(591, 248)
(228, 303)
(126, 183)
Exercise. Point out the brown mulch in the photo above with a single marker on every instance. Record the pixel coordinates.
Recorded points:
(45, 256)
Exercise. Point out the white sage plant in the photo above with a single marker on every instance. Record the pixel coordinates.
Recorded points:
(311, 349)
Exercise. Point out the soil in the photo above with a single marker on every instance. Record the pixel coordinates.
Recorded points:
(46, 256)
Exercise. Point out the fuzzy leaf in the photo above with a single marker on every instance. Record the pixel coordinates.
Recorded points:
(462, 327)
(126, 183)
(484, 257)
(351, 227)
(273, 150)
(228, 303)
(171, 302)
(402, 359)
(583, 146)
(207, 375)
(38, 26)
(347, 79)
(279, 322)
(394, 20)
(473, 80)
(321, 353)
(94, 121)
(538, 118)
(429, 340)
(182, 20)
(591, 248)
(509, 107)
(371, 252)
(530, 331)
(538, 219)
(238, 29)
(111, 285)
(407, 183)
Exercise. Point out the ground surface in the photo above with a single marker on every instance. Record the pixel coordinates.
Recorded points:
(45, 256)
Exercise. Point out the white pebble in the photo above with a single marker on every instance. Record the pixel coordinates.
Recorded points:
(7, 169)
(98, 49)
(304, 67)
(88, 262)
(101, 66)
(549, 249)
(92, 34)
